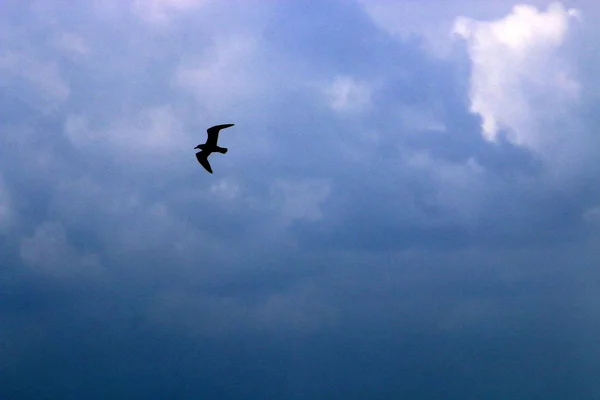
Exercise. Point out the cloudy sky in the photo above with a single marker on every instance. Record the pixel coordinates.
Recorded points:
(409, 208)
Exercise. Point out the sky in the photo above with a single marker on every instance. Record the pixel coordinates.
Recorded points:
(409, 207)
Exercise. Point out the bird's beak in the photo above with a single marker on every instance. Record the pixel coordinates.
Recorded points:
(197, 147)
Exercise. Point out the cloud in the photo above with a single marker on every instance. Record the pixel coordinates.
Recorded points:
(352, 220)
(157, 130)
(160, 12)
(518, 74)
(296, 311)
(49, 252)
(5, 206)
(347, 95)
(301, 200)
(223, 76)
(459, 187)
(592, 216)
(225, 190)
(418, 119)
(429, 21)
(74, 44)
(32, 77)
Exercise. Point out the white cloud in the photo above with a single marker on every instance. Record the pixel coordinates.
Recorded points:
(518, 76)
(431, 20)
(346, 94)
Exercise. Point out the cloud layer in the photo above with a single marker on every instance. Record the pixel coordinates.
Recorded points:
(403, 210)
(515, 66)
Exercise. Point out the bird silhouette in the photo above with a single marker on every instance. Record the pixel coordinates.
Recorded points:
(210, 146)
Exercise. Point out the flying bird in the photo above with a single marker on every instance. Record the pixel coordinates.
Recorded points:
(210, 146)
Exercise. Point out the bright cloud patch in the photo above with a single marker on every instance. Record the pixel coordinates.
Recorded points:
(517, 71)
(346, 94)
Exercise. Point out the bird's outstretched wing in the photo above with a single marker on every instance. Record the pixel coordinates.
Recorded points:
(213, 133)
(203, 160)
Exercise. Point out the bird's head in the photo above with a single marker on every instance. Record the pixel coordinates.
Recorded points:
(199, 146)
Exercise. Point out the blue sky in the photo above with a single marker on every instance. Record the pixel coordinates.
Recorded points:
(409, 207)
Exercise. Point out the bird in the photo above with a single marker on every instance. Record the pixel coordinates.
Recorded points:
(210, 146)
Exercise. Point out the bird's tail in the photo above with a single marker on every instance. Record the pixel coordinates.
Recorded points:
(221, 150)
